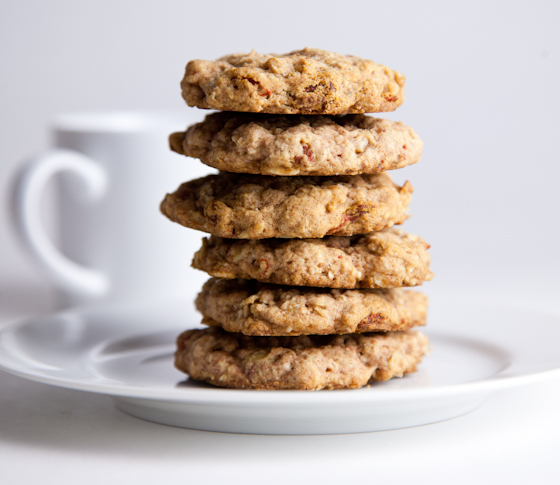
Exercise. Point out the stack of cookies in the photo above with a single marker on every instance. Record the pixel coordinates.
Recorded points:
(307, 272)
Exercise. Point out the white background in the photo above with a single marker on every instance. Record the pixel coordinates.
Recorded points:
(483, 91)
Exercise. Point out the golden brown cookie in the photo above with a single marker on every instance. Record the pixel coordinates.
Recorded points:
(257, 207)
(307, 362)
(299, 145)
(253, 308)
(384, 259)
(309, 81)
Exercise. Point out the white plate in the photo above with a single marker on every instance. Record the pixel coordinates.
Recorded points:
(127, 353)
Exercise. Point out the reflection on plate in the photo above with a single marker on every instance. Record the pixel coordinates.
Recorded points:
(127, 352)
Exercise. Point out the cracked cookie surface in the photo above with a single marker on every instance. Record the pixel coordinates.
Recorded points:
(306, 362)
(384, 259)
(299, 145)
(258, 207)
(308, 81)
(253, 308)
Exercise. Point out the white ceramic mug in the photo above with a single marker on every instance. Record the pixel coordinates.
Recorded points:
(112, 169)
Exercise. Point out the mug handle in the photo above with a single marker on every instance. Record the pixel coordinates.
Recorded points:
(26, 211)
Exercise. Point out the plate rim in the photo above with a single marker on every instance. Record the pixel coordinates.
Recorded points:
(229, 397)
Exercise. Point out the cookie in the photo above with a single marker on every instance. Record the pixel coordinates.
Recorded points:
(257, 207)
(384, 259)
(309, 81)
(299, 145)
(306, 363)
(253, 308)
